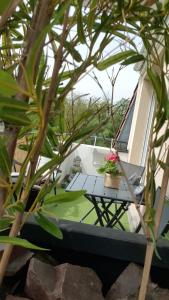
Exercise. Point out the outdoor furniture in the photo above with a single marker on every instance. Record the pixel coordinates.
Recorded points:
(102, 198)
(164, 223)
(133, 172)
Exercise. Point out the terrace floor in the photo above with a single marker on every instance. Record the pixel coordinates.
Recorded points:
(75, 210)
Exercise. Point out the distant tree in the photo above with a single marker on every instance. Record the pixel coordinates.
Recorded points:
(76, 108)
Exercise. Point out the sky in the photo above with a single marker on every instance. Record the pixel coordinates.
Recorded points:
(126, 80)
(124, 86)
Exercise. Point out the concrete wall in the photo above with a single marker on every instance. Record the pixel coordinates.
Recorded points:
(139, 139)
(91, 158)
(139, 122)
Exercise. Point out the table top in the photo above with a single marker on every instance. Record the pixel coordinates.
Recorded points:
(94, 186)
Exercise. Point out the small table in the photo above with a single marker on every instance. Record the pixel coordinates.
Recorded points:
(96, 193)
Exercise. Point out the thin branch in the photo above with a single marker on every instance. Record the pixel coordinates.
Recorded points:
(150, 244)
(8, 12)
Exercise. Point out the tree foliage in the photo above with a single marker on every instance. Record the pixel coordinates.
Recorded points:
(41, 61)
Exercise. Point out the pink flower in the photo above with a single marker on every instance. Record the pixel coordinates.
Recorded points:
(112, 156)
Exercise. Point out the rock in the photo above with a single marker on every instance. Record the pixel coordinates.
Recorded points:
(127, 284)
(10, 297)
(18, 259)
(156, 293)
(66, 281)
(153, 293)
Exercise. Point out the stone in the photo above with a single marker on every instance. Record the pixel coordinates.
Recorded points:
(156, 293)
(66, 281)
(153, 293)
(10, 297)
(18, 259)
(127, 284)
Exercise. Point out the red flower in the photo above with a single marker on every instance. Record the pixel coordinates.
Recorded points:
(112, 156)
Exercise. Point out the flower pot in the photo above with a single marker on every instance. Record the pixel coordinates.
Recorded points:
(112, 181)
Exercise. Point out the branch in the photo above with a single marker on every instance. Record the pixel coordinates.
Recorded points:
(150, 244)
(8, 12)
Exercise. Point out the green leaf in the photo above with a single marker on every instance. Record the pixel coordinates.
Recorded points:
(39, 41)
(8, 85)
(154, 240)
(53, 162)
(4, 5)
(4, 223)
(41, 77)
(163, 165)
(80, 30)
(64, 197)
(156, 82)
(14, 117)
(113, 29)
(69, 47)
(66, 75)
(162, 139)
(84, 132)
(19, 206)
(19, 242)
(166, 35)
(120, 5)
(13, 103)
(51, 134)
(91, 17)
(5, 162)
(48, 226)
(134, 59)
(47, 149)
(125, 38)
(114, 59)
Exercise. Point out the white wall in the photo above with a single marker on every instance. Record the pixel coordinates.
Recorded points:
(91, 158)
(140, 122)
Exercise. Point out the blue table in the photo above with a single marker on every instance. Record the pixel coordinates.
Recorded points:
(97, 194)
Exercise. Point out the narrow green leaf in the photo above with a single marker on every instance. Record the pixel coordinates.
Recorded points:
(13, 103)
(114, 59)
(156, 82)
(91, 17)
(48, 226)
(5, 162)
(41, 77)
(161, 117)
(163, 165)
(47, 149)
(133, 59)
(64, 197)
(66, 75)
(154, 240)
(8, 85)
(113, 29)
(166, 35)
(19, 242)
(51, 134)
(125, 38)
(69, 47)
(3, 6)
(80, 30)
(4, 223)
(14, 117)
(37, 45)
(120, 5)
(53, 162)
(83, 132)
(17, 207)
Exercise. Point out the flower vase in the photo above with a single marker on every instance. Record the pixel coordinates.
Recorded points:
(112, 182)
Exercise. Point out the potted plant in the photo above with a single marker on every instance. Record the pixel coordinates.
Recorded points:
(111, 170)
